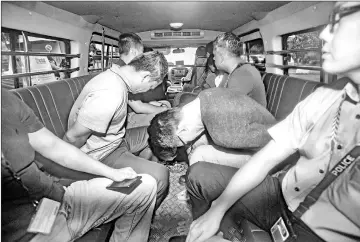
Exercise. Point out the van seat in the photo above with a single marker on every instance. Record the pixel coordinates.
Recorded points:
(200, 63)
(284, 92)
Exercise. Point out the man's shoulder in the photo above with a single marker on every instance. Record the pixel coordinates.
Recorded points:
(106, 80)
(246, 70)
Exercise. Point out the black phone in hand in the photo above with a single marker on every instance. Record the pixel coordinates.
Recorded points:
(126, 186)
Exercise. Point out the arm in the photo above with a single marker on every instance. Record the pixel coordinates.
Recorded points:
(249, 176)
(77, 135)
(55, 149)
(140, 107)
(252, 174)
(287, 136)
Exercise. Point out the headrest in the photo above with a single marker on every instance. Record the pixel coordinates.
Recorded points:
(210, 60)
(201, 51)
(209, 47)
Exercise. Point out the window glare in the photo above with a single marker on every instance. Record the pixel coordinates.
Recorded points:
(188, 57)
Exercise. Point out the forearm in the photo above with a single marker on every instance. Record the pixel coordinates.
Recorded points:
(251, 174)
(73, 158)
(148, 108)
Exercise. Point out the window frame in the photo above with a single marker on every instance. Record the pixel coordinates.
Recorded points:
(260, 67)
(106, 60)
(285, 52)
(13, 33)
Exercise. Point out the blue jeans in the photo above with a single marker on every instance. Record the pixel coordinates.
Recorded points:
(262, 206)
(88, 204)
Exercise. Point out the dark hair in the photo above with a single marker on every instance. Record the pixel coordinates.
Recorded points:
(209, 47)
(153, 62)
(229, 42)
(163, 153)
(148, 49)
(209, 61)
(128, 41)
(162, 133)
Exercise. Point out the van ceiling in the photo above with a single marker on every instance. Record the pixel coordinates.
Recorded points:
(146, 16)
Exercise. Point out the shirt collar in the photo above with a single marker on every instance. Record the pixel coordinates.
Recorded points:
(352, 92)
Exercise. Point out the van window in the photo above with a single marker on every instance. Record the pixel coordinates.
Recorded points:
(255, 53)
(305, 54)
(17, 42)
(111, 54)
(186, 57)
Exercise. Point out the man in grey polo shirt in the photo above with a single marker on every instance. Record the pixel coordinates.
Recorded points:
(97, 119)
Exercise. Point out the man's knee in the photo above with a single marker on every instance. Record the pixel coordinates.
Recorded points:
(197, 175)
(144, 194)
(161, 174)
(149, 181)
(148, 185)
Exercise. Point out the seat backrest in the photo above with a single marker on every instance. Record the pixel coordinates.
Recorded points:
(283, 93)
(200, 62)
(52, 102)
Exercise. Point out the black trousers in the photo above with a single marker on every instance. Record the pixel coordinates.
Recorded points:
(261, 206)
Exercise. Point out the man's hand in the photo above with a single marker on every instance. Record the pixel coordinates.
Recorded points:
(205, 226)
(122, 174)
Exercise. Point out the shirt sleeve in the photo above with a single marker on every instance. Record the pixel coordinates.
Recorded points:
(98, 109)
(291, 131)
(242, 80)
(26, 115)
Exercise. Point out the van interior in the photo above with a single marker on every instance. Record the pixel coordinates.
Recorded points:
(51, 49)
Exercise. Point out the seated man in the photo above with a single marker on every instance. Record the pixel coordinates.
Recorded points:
(323, 128)
(84, 204)
(97, 119)
(243, 77)
(228, 51)
(140, 113)
(185, 126)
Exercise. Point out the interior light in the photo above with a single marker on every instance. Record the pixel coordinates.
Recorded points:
(176, 25)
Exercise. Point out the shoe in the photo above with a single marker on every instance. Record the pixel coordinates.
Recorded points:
(180, 238)
(182, 180)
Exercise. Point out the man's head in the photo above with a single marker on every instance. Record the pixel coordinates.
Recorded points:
(175, 127)
(130, 46)
(162, 131)
(146, 71)
(227, 50)
(341, 50)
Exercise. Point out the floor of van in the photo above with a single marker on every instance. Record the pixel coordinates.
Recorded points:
(173, 217)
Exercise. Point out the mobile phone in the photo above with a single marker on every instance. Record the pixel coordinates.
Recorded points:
(126, 186)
